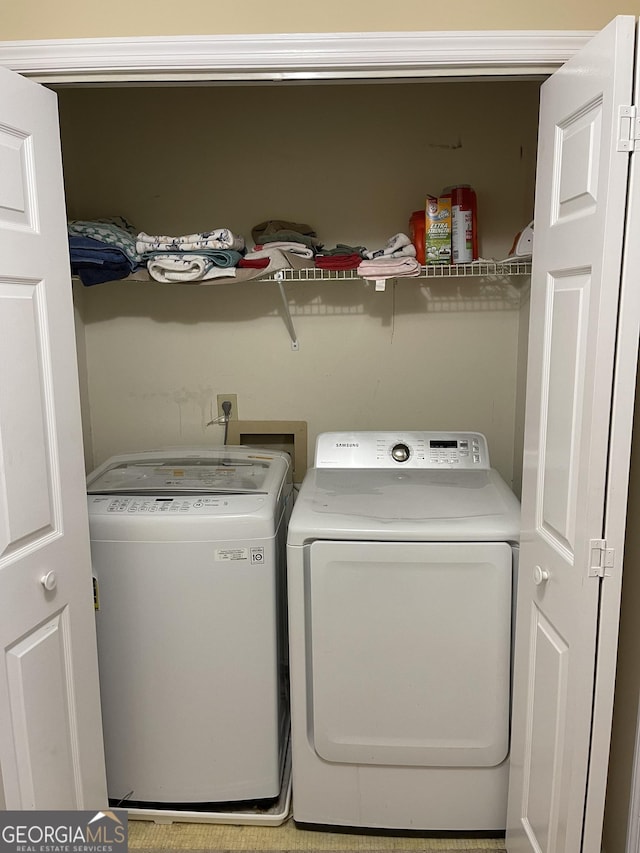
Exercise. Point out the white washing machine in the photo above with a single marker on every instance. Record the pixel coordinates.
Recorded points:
(188, 551)
(402, 552)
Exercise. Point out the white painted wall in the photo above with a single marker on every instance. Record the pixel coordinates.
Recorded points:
(354, 162)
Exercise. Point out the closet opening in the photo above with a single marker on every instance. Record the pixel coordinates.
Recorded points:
(352, 159)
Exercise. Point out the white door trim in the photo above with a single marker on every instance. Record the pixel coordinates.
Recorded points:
(293, 57)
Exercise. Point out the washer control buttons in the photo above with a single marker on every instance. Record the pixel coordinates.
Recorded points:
(400, 452)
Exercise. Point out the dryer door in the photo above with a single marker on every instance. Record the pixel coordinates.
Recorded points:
(409, 651)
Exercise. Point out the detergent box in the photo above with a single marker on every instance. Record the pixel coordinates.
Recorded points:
(438, 230)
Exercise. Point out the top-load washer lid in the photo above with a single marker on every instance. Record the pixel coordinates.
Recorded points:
(404, 487)
(184, 471)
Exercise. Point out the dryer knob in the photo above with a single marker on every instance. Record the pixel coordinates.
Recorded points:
(400, 452)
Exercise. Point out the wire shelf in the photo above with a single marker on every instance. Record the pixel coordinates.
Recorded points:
(479, 268)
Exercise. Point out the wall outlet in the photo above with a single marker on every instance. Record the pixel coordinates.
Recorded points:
(233, 399)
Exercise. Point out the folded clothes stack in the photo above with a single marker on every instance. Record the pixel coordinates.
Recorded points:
(292, 246)
(398, 246)
(388, 268)
(219, 238)
(338, 262)
(397, 258)
(276, 236)
(192, 266)
(193, 257)
(102, 250)
(283, 231)
(342, 257)
(109, 249)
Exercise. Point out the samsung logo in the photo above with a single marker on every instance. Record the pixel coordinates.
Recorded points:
(347, 444)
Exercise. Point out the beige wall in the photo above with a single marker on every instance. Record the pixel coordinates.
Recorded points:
(41, 19)
(158, 357)
(353, 161)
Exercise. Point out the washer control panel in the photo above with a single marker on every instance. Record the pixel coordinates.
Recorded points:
(426, 449)
(155, 505)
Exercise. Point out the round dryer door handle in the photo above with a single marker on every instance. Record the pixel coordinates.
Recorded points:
(540, 575)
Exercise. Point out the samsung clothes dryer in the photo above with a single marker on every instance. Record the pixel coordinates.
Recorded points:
(402, 552)
(188, 552)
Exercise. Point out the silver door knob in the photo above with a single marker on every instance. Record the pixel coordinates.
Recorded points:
(49, 581)
(540, 575)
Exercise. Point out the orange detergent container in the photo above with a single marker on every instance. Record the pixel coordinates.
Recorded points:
(417, 234)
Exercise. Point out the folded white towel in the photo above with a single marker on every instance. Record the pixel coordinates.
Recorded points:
(285, 246)
(219, 238)
(187, 267)
(397, 246)
(388, 268)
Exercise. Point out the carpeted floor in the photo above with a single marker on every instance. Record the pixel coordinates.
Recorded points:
(148, 837)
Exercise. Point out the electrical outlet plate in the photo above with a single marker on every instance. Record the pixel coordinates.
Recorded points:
(233, 399)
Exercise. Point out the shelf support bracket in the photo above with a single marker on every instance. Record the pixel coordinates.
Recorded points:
(295, 345)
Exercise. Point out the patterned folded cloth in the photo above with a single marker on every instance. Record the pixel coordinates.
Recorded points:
(109, 233)
(389, 268)
(397, 246)
(219, 238)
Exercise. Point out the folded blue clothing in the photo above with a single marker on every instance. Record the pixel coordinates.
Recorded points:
(109, 233)
(218, 257)
(96, 262)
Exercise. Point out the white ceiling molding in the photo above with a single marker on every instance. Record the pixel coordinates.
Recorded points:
(292, 57)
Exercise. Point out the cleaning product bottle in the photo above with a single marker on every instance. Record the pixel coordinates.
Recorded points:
(464, 223)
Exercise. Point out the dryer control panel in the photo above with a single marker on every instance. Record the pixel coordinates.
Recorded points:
(415, 449)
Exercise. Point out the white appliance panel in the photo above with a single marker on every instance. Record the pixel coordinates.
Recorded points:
(184, 642)
(406, 505)
(410, 652)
